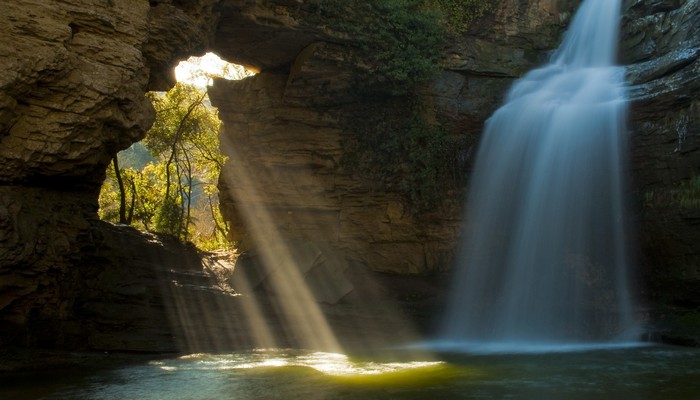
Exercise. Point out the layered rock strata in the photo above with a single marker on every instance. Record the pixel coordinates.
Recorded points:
(661, 46)
(72, 95)
(284, 136)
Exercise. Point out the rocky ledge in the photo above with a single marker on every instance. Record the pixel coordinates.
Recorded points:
(72, 95)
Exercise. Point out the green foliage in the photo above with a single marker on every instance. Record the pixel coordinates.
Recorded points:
(172, 189)
(685, 195)
(429, 163)
(460, 14)
(404, 44)
(395, 146)
(398, 41)
(182, 117)
(109, 197)
(689, 193)
(398, 47)
(143, 192)
(168, 217)
(399, 44)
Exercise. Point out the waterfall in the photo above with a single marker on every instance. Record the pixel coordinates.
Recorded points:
(544, 258)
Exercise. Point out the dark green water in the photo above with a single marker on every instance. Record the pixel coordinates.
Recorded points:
(652, 373)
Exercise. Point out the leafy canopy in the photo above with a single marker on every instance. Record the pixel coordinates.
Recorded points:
(399, 42)
(174, 191)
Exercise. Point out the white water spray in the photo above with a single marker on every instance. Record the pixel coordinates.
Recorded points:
(544, 258)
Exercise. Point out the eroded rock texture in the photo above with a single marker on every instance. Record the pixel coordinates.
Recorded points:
(304, 193)
(661, 45)
(284, 135)
(72, 95)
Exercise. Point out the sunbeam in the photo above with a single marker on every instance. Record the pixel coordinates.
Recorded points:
(303, 319)
(292, 228)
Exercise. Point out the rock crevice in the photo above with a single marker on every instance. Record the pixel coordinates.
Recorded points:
(72, 95)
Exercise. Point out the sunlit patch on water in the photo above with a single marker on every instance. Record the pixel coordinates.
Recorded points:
(649, 373)
(330, 364)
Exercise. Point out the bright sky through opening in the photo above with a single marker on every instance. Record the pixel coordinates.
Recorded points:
(200, 71)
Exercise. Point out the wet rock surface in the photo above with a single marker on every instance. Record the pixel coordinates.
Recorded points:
(661, 48)
(285, 138)
(73, 94)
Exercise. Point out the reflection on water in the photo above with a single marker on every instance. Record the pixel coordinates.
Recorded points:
(330, 364)
(516, 346)
(652, 373)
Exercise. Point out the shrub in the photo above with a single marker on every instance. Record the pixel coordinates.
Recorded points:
(398, 45)
(393, 145)
(398, 42)
(460, 14)
(689, 193)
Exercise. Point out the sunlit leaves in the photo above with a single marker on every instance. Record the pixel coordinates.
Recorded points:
(176, 193)
(459, 15)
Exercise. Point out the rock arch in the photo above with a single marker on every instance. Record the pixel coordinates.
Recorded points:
(72, 95)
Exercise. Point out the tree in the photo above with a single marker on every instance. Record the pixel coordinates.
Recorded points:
(185, 138)
(122, 191)
(170, 193)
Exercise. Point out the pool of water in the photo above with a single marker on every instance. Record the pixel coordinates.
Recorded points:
(651, 372)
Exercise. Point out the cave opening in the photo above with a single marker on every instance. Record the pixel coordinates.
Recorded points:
(167, 182)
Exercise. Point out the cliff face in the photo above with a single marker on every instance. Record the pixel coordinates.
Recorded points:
(73, 91)
(661, 46)
(285, 137)
(72, 95)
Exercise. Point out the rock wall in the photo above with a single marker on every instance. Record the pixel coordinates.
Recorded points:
(306, 194)
(284, 136)
(76, 73)
(661, 46)
(284, 172)
(72, 95)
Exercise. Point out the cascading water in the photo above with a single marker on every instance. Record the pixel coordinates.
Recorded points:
(544, 259)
